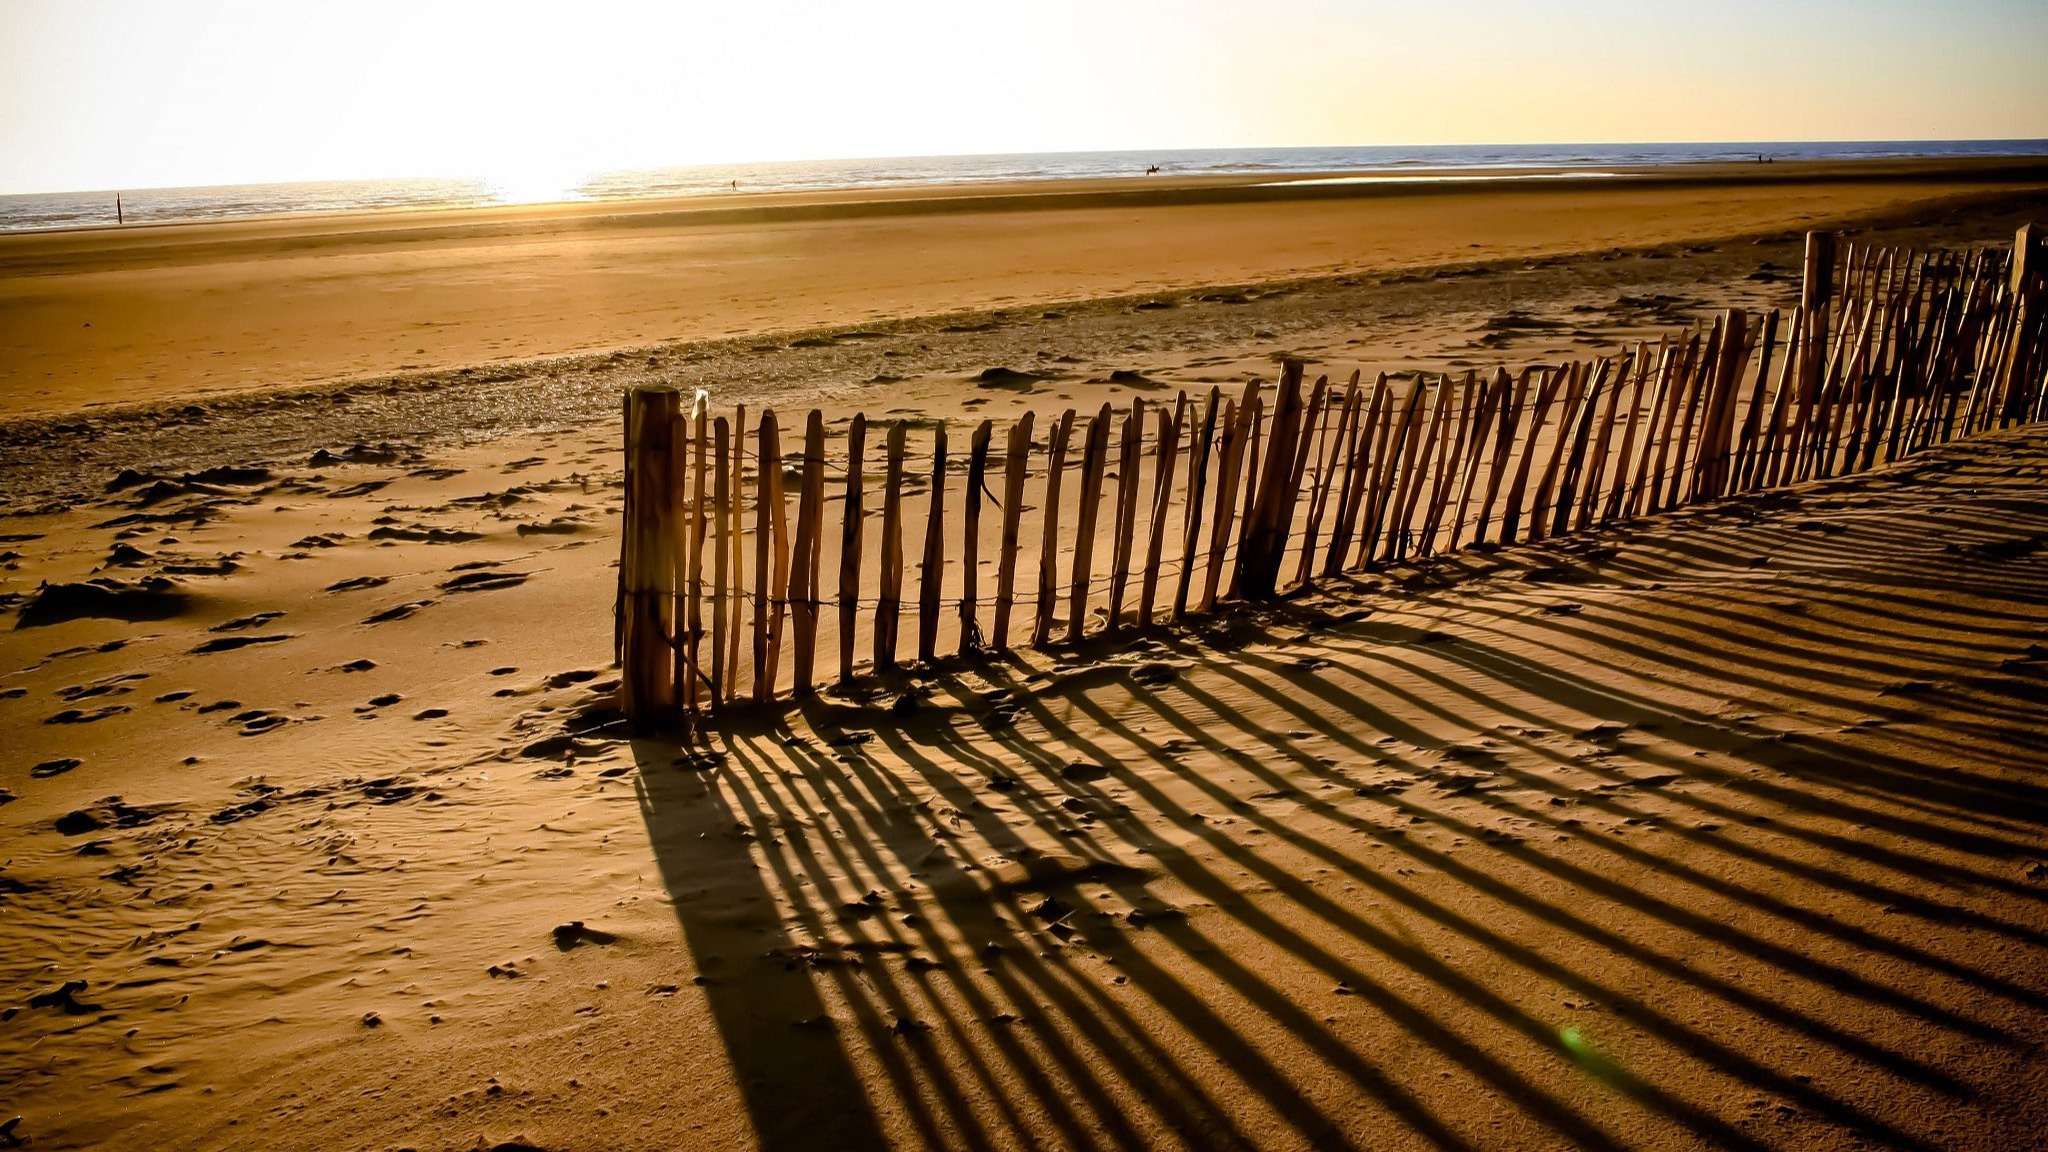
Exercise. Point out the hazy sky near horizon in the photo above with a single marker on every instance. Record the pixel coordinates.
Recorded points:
(100, 94)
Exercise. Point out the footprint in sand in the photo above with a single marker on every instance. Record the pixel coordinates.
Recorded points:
(86, 716)
(398, 611)
(484, 581)
(49, 768)
(230, 643)
(243, 623)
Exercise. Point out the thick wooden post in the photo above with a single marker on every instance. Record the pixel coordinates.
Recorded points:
(647, 568)
(1817, 272)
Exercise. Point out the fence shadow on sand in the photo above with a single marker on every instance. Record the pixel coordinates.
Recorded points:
(1620, 842)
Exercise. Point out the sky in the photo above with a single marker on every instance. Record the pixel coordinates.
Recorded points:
(109, 94)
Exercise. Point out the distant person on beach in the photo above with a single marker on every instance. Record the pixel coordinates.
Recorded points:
(1152, 171)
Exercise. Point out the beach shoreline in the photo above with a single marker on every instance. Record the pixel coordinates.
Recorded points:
(111, 317)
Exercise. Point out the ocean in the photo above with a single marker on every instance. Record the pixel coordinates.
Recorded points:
(88, 209)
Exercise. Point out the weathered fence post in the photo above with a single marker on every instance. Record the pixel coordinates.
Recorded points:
(647, 563)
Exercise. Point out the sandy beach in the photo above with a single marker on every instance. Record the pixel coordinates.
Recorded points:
(98, 317)
(1724, 830)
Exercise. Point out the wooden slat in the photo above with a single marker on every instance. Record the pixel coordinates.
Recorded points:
(767, 501)
(1590, 486)
(1198, 481)
(1236, 426)
(678, 498)
(970, 536)
(1251, 413)
(1130, 440)
(1360, 461)
(1264, 538)
(735, 520)
(1415, 474)
(1165, 461)
(1016, 461)
(803, 579)
(931, 572)
(1548, 387)
(1487, 413)
(1664, 432)
(889, 602)
(1575, 435)
(1049, 544)
(1331, 451)
(852, 533)
(1450, 456)
(1389, 446)
(692, 674)
(1094, 463)
(1508, 433)
(722, 498)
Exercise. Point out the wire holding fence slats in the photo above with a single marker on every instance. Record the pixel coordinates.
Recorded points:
(1887, 353)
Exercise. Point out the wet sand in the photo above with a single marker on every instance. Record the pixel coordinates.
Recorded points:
(97, 317)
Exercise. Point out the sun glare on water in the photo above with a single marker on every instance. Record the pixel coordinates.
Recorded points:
(539, 184)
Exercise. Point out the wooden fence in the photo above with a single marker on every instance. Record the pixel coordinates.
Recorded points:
(1126, 519)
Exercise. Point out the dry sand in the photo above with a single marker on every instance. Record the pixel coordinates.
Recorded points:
(1726, 830)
